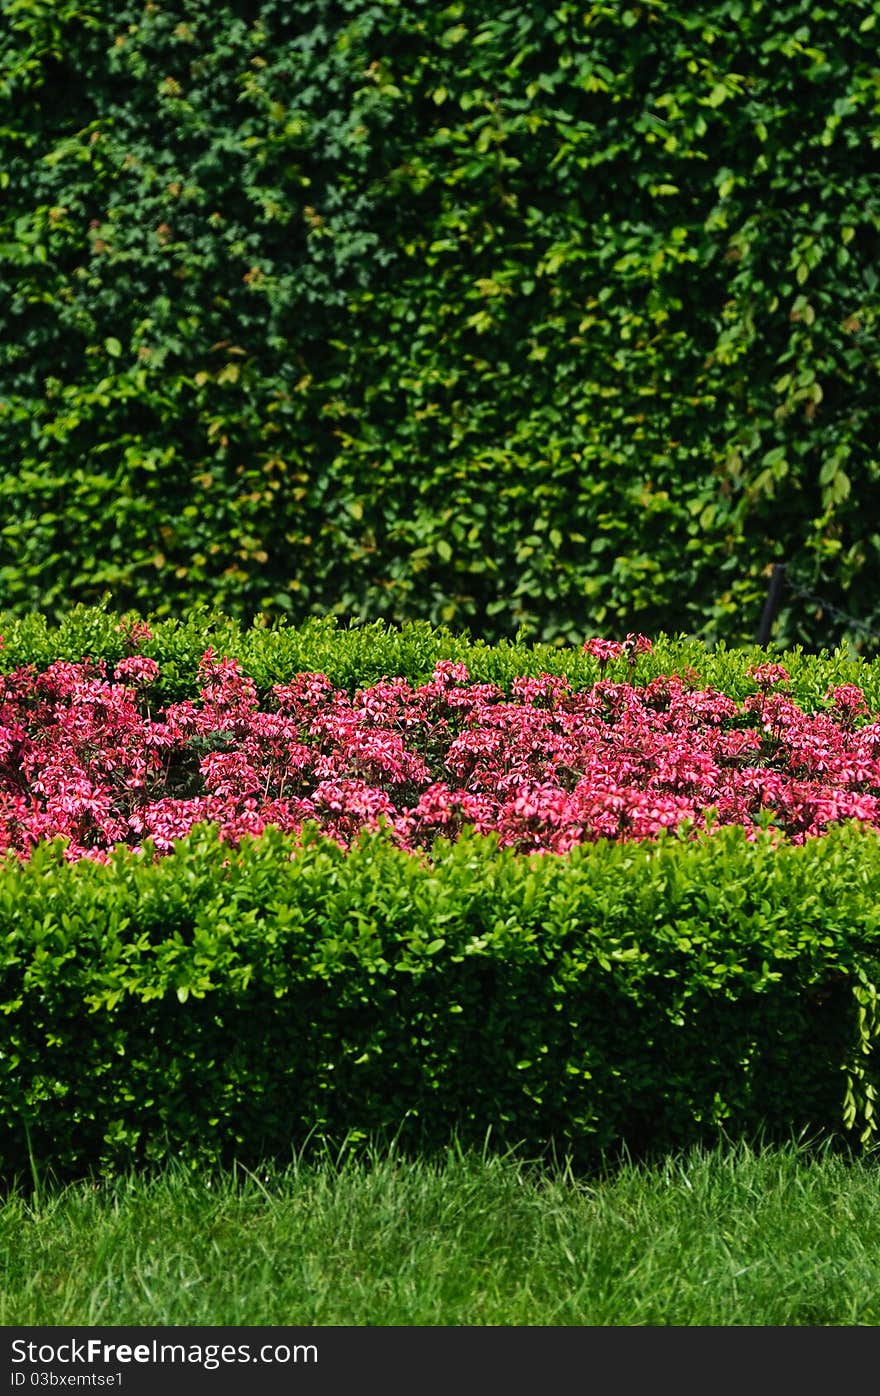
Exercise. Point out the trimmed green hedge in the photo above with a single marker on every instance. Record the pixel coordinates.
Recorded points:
(223, 1004)
(478, 313)
(272, 652)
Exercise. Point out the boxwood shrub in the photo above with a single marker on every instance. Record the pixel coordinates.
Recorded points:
(221, 1004)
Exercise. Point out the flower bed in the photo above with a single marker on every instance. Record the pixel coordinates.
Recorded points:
(83, 756)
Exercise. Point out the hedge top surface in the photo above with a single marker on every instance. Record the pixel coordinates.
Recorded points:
(274, 650)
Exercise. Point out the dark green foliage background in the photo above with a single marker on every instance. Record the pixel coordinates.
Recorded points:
(217, 1004)
(492, 315)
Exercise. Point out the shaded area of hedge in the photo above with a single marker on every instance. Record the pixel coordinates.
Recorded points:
(454, 312)
(221, 1004)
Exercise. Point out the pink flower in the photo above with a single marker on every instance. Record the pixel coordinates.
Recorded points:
(135, 632)
(447, 672)
(139, 669)
(603, 650)
(767, 676)
(848, 700)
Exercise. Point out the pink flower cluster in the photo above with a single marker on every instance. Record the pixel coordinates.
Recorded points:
(605, 650)
(83, 756)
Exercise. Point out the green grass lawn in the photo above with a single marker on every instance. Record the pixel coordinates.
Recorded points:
(725, 1237)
